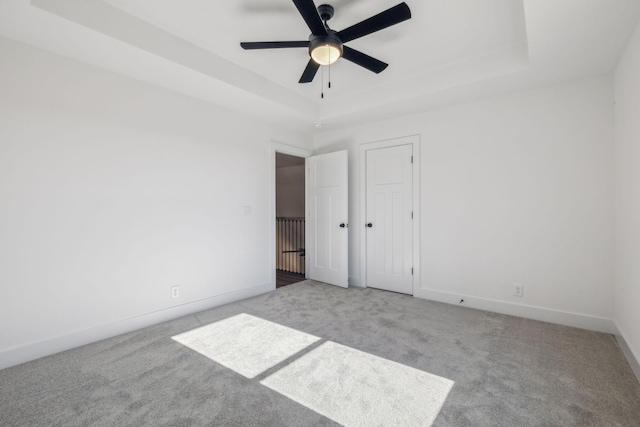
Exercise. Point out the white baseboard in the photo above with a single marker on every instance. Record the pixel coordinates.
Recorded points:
(633, 357)
(17, 355)
(593, 323)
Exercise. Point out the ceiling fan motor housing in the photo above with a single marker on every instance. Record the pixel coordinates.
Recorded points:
(319, 40)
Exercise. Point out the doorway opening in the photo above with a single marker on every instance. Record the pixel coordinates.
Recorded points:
(290, 219)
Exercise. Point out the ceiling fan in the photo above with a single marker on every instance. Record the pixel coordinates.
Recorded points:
(326, 46)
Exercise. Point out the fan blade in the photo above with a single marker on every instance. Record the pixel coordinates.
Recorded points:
(385, 19)
(310, 15)
(309, 72)
(359, 58)
(273, 45)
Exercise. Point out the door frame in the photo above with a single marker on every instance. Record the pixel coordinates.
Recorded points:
(278, 147)
(414, 141)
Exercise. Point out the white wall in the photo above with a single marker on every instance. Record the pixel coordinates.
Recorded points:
(111, 192)
(517, 189)
(290, 192)
(627, 161)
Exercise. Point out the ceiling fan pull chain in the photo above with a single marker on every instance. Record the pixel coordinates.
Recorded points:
(322, 83)
(329, 76)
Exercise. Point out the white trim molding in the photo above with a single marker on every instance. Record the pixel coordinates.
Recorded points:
(633, 357)
(290, 150)
(46, 347)
(566, 318)
(414, 140)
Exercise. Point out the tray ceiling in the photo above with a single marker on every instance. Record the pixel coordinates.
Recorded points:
(450, 51)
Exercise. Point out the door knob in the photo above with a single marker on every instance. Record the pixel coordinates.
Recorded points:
(343, 225)
(369, 225)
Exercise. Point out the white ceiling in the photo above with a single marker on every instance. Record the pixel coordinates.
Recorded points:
(450, 51)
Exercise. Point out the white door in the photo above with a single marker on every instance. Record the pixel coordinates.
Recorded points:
(389, 218)
(327, 235)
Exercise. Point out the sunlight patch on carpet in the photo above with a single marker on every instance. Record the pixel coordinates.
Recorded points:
(354, 388)
(246, 344)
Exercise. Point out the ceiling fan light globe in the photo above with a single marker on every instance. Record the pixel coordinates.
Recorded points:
(326, 54)
(325, 49)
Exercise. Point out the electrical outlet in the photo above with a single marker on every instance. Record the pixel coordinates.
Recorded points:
(518, 290)
(175, 291)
